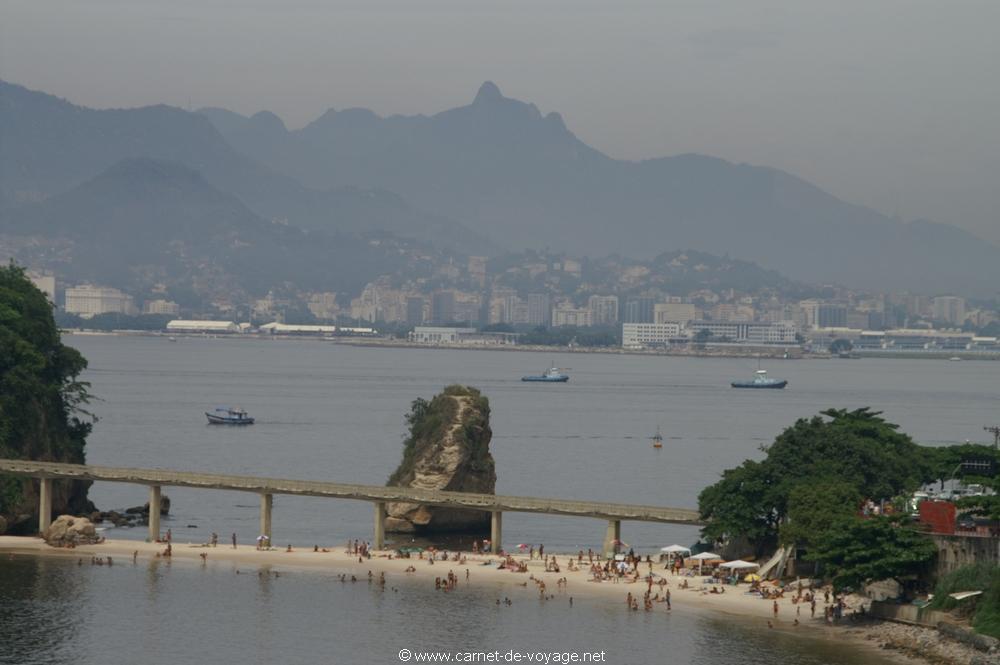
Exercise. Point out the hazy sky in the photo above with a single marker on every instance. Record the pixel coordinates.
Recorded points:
(894, 104)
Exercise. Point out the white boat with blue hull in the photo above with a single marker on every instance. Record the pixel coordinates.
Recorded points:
(551, 375)
(228, 415)
(761, 380)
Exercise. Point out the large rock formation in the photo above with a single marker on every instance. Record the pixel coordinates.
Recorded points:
(448, 448)
(69, 531)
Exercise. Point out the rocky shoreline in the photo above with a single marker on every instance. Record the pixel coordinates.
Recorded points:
(923, 643)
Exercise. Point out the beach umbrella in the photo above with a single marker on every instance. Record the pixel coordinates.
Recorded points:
(522, 546)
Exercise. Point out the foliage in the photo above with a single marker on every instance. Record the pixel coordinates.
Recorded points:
(979, 577)
(114, 321)
(815, 508)
(566, 335)
(841, 345)
(42, 400)
(429, 422)
(856, 551)
(857, 451)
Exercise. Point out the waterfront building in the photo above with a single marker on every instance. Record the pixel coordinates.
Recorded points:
(87, 301)
(539, 309)
(745, 332)
(161, 306)
(214, 327)
(415, 310)
(638, 310)
(449, 335)
(674, 312)
(46, 283)
(443, 307)
(644, 335)
(604, 309)
(820, 314)
(567, 315)
(950, 309)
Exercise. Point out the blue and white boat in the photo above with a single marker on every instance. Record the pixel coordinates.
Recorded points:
(761, 380)
(551, 375)
(228, 415)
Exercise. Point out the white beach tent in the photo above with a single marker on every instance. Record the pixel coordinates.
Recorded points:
(705, 556)
(675, 549)
(739, 565)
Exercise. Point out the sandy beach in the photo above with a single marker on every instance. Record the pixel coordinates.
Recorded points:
(482, 572)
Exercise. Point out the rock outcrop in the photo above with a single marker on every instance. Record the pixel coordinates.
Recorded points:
(69, 531)
(448, 448)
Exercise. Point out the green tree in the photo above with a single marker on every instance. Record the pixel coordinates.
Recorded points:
(857, 451)
(42, 400)
(815, 508)
(841, 345)
(857, 551)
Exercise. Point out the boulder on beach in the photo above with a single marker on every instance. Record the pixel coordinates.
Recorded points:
(448, 448)
(67, 531)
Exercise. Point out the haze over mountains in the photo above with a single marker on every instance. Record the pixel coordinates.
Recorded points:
(494, 174)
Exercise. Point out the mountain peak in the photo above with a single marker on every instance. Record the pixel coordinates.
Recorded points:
(488, 92)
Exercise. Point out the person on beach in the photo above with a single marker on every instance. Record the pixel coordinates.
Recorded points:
(775, 609)
(234, 541)
(215, 539)
(667, 598)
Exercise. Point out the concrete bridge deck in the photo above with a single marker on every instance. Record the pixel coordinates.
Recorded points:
(614, 513)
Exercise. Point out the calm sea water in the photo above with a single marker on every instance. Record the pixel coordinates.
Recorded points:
(331, 412)
(55, 612)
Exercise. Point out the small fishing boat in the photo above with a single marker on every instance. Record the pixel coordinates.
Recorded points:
(761, 380)
(228, 415)
(658, 439)
(551, 375)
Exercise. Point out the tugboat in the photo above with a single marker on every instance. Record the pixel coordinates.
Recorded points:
(228, 415)
(658, 439)
(551, 375)
(761, 381)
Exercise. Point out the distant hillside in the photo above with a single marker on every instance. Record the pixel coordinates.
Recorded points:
(50, 145)
(524, 179)
(144, 222)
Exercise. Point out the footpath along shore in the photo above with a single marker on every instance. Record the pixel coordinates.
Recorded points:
(520, 587)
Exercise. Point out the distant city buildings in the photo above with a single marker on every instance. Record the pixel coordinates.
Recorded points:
(160, 306)
(87, 301)
(604, 310)
(567, 315)
(448, 335)
(674, 312)
(46, 283)
(949, 308)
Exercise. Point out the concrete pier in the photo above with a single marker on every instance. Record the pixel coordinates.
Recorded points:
(612, 536)
(44, 504)
(154, 513)
(380, 495)
(496, 532)
(266, 505)
(380, 515)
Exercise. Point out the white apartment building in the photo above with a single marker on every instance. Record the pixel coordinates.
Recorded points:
(637, 335)
(755, 332)
(45, 283)
(87, 301)
(674, 312)
(572, 316)
(604, 308)
(161, 306)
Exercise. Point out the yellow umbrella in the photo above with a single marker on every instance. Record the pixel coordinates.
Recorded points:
(752, 577)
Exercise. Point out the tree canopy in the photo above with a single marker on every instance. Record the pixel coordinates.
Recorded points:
(829, 460)
(857, 551)
(42, 400)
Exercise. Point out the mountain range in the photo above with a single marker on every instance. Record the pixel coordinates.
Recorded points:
(493, 175)
(152, 226)
(525, 180)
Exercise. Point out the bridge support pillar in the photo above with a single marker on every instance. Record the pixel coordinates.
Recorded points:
(380, 514)
(154, 513)
(496, 532)
(266, 505)
(44, 504)
(612, 536)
